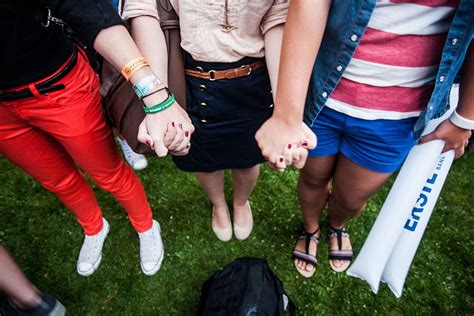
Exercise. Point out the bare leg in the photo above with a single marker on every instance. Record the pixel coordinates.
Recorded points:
(15, 284)
(353, 185)
(243, 183)
(213, 185)
(313, 193)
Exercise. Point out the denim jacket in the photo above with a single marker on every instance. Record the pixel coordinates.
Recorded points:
(347, 22)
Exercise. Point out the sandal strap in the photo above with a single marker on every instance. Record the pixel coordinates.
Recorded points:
(339, 233)
(344, 255)
(308, 237)
(306, 257)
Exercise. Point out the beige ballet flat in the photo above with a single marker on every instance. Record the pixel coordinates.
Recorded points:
(243, 232)
(223, 234)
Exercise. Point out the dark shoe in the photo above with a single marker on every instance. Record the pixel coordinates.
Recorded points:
(49, 306)
(339, 253)
(306, 256)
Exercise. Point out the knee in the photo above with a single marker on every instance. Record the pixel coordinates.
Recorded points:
(347, 201)
(64, 184)
(314, 181)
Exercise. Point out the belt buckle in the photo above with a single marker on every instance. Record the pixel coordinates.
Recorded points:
(249, 69)
(212, 74)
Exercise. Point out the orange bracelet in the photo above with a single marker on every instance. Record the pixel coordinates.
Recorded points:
(132, 66)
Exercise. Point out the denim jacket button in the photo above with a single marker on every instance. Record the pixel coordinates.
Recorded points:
(454, 41)
(339, 68)
(325, 94)
(354, 37)
(441, 79)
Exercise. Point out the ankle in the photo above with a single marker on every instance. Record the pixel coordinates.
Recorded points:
(311, 228)
(240, 204)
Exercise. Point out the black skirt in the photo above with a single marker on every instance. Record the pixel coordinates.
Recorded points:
(226, 115)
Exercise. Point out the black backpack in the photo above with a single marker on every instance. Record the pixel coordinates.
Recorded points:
(247, 287)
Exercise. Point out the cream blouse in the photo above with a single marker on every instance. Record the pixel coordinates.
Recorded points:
(208, 35)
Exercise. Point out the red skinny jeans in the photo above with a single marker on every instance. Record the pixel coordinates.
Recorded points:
(46, 135)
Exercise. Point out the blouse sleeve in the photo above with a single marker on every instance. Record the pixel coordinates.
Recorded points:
(135, 8)
(276, 15)
(86, 17)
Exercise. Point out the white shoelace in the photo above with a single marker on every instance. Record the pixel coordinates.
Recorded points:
(149, 251)
(90, 249)
(131, 156)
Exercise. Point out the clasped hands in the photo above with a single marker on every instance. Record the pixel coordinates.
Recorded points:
(167, 131)
(284, 144)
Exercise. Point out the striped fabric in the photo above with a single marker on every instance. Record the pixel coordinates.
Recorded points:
(392, 73)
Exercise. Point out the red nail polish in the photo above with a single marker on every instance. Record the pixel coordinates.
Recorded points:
(281, 159)
(148, 143)
(289, 146)
(180, 126)
(186, 134)
(172, 124)
(305, 143)
(187, 146)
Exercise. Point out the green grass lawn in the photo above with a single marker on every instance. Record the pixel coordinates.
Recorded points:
(45, 240)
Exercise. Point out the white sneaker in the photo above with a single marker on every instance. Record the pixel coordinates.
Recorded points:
(151, 249)
(91, 251)
(136, 161)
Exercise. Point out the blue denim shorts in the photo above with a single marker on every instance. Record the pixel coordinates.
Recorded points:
(377, 145)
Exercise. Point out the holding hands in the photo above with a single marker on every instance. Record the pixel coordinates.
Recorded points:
(167, 131)
(285, 144)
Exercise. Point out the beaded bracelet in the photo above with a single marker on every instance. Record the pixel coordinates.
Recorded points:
(132, 66)
(160, 106)
(147, 86)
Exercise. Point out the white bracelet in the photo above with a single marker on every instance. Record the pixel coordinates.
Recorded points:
(461, 122)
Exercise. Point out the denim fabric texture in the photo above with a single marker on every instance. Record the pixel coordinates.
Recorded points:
(347, 22)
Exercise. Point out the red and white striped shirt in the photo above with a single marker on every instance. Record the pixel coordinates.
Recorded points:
(392, 73)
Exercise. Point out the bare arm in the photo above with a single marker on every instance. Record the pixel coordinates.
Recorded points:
(273, 41)
(116, 45)
(302, 37)
(457, 138)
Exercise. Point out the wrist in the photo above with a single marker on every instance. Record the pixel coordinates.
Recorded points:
(155, 98)
(461, 121)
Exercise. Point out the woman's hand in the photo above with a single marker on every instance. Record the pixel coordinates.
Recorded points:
(455, 137)
(169, 130)
(284, 144)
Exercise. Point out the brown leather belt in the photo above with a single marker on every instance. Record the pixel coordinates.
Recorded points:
(212, 75)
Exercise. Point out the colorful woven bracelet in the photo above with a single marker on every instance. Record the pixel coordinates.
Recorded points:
(147, 86)
(160, 106)
(132, 66)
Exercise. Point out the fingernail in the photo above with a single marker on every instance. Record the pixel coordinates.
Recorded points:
(186, 134)
(305, 143)
(148, 143)
(180, 126)
(289, 146)
(172, 124)
(187, 146)
(281, 159)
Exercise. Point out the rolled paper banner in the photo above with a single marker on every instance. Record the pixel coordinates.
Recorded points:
(373, 256)
(400, 260)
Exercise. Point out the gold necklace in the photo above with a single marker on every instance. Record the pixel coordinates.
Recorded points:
(226, 27)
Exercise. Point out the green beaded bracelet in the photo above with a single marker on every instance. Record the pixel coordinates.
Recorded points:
(160, 106)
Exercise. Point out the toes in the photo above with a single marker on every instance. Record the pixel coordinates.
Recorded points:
(309, 267)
